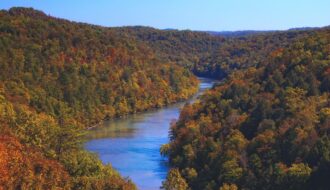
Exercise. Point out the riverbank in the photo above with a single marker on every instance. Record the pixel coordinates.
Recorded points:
(131, 144)
(107, 118)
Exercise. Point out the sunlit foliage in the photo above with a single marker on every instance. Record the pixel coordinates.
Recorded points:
(267, 125)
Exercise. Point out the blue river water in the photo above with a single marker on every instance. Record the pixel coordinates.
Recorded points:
(131, 144)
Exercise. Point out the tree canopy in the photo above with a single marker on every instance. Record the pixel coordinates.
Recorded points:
(266, 126)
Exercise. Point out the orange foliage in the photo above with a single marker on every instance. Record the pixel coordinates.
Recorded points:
(277, 53)
(22, 167)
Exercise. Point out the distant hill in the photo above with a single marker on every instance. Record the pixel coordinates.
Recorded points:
(237, 33)
(243, 33)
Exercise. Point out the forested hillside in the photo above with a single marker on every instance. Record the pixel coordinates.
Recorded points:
(38, 153)
(83, 71)
(266, 126)
(214, 56)
(239, 53)
(58, 78)
(182, 47)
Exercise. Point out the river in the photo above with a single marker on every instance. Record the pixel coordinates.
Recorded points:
(132, 144)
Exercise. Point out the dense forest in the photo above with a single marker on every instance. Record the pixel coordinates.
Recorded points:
(58, 78)
(185, 48)
(84, 71)
(266, 126)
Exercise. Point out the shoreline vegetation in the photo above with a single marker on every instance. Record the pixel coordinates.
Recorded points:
(58, 77)
(143, 111)
(218, 82)
(266, 126)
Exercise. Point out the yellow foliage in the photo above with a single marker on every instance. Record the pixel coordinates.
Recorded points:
(228, 187)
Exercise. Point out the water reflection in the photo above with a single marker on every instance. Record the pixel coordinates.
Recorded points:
(132, 144)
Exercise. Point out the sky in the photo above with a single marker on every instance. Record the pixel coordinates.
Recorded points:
(206, 15)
